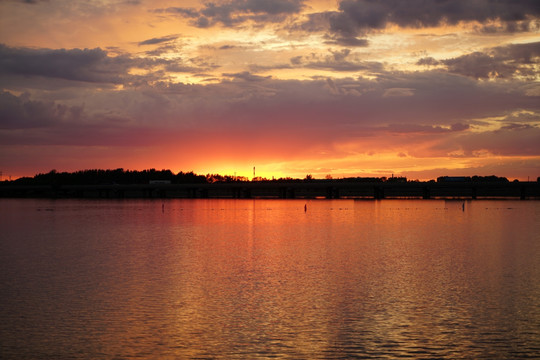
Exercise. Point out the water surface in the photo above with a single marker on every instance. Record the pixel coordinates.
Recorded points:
(226, 279)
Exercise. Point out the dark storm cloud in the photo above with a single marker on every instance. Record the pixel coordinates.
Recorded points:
(508, 27)
(519, 53)
(316, 22)
(160, 40)
(498, 62)
(479, 65)
(360, 16)
(21, 112)
(428, 61)
(88, 65)
(507, 141)
(430, 105)
(55, 68)
(25, 120)
(429, 102)
(235, 12)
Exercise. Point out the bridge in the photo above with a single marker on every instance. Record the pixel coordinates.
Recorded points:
(329, 189)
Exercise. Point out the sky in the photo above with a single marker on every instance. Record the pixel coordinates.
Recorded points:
(344, 88)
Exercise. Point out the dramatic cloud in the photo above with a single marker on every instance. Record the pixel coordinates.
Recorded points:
(257, 103)
(506, 141)
(235, 12)
(501, 62)
(349, 41)
(89, 65)
(367, 14)
(428, 61)
(22, 112)
(358, 17)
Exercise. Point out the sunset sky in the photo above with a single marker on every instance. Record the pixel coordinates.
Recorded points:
(413, 88)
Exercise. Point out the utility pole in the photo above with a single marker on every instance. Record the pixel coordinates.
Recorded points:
(254, 173)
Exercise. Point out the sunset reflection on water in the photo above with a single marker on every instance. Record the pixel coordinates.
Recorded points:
(266, 279)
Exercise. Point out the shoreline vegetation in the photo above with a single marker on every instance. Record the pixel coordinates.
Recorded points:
(149, 176)
(120, 183)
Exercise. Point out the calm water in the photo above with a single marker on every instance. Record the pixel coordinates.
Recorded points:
(246, 279)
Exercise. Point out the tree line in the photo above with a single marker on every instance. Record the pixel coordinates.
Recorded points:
(117, 176)
(125, 177)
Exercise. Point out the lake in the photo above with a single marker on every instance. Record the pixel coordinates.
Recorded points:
(267, 279)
